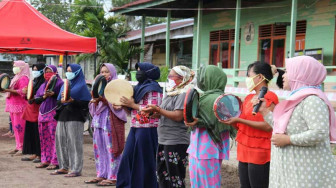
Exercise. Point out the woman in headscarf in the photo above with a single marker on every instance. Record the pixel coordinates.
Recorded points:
(209, 140)
(303, 127)
(254, 134)
(138, 165)
(172, 157)
(71, 115)
(16, 102)
(46, 121)
(108, 122)
(31, 144)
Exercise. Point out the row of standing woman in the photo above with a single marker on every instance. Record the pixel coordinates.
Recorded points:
(159, 146)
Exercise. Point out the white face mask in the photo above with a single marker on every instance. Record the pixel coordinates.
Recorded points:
(36, 74)
(250, 85)
(171, 83)
(16, 70)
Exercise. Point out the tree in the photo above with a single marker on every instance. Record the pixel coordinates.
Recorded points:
(88, 19)
(58, 11)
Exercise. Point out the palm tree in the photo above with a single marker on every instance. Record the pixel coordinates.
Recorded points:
(88, 19)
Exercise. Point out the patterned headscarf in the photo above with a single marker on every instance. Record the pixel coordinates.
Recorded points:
(188, 80)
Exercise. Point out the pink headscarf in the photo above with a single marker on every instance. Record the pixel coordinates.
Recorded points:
(24, 71)
(302, 71)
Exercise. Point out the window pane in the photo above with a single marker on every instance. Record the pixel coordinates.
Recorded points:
(232, 54)
(278, 52)
(265, 50)
(225, 54)
(214, 54)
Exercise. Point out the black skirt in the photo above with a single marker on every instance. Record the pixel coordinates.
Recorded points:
(31, 141)
(171, 162)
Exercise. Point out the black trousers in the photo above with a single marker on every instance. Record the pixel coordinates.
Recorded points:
(253, 175)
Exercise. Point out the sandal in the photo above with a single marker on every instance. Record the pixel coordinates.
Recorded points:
(9, 133)
(37, 160)
(28, 158)
(94, 181)
(42, 165)
(72, 175)
(107, 183)
(52, 167)
(59, 172)
(13, 151)
(19, 153)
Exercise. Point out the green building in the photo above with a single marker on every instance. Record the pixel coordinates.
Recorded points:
(264, 30)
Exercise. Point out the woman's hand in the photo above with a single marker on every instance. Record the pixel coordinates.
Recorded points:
(231, 121)
(127, 102)
(280, 140)
(263, 109)
(25, 90)
(191, 124)
(67, 101)
(94, 100)
(116, 107)
(151, 109)
(49, 93)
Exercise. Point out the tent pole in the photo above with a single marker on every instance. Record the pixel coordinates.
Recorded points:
(95, 64)
(66, 61)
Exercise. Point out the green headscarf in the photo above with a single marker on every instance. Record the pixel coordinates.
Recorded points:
(212, 80)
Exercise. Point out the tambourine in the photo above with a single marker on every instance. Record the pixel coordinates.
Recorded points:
(4, 81)
(191, 105)
(66, 90)
(227, 106)
(116, 89)
(98, 86)
(30, 89)
(51, 83)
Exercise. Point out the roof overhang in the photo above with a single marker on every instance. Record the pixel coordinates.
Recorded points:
(181, 8)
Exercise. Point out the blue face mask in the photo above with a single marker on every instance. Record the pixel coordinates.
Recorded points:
(37, 74)
(71, 75)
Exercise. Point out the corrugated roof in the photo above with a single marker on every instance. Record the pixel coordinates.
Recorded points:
(159, 28)
(134, 3)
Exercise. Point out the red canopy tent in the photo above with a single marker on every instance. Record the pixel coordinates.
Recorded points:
(24, 30)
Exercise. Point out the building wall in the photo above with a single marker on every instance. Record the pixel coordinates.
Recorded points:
(320, 17)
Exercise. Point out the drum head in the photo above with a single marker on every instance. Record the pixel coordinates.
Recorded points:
(99, 86)
(4, 81)
(227, 106)
(191, 105)
(30, 89)
(51, 84)
(66, 90)
(116, 89)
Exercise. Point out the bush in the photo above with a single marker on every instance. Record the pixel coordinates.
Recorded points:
(164, 74)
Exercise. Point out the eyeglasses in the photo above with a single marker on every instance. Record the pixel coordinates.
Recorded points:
(172, 76)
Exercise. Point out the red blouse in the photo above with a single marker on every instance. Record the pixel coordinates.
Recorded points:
(254, 145)
(31, 112)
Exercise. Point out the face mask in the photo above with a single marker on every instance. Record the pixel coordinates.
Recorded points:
(171, 83)
(37, 74)
(71, 75)
(140, 76)
(250, 83)
(48, 75)
(16, 70)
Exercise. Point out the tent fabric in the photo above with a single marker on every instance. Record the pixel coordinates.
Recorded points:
(24, 30)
